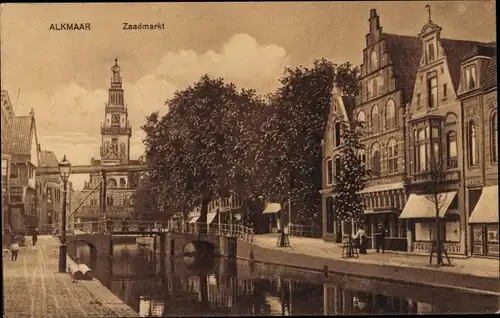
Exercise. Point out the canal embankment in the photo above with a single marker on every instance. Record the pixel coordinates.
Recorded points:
(33, 287)
(471, 275)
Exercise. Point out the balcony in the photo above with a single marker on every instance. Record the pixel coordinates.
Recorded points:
(115, 109)
(424, 177)
(116, 130)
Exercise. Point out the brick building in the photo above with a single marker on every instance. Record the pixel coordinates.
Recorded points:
(478, 97)
(413, 119)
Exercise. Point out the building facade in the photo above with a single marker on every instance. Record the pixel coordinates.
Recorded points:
(479, 102)
(412, 101)
(385, 87)
(435, 148)
(7, 115)
(115, 150)
(50, 194)
(24, 150)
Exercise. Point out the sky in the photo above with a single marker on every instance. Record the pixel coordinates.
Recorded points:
(64, 75)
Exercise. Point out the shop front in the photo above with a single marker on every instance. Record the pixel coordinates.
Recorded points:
(272, 215)
(484, 223)
(420, 215)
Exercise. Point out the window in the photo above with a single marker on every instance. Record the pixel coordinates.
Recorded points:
(14, 171)
(361, 119)
(375, 152)
(369, 92)
(430, 52)
(432, 91)
(418, 100)
(451, 141)
(338, 134)
(470, 77)
(392, 155)
(422, 151)
(445, 90)
(16, 194)
(329, 171)
(109, 200)
(337, 166)
(390, 115)
(123, 183)
(436, 152)
(362, 156)
(114, 143)
(374, 60)
(375, 120)
(494, 137)
(375, 87)
(472, 149)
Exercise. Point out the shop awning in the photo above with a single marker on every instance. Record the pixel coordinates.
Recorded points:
(272, 208)
(423, 206)
(486, 210)
(211, 217)
(194, 219)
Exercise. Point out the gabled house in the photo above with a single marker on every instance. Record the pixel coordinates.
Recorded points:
(332, 145)
(25, 157)
(50, 193)
(386, 84)
(479, 106)
(434, 145)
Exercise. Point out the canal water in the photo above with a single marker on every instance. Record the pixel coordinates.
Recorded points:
(210, 286)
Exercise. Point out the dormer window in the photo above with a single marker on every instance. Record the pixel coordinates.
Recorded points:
(470, 77)
(430, 52)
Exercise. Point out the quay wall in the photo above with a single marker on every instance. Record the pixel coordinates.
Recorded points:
(413, 275)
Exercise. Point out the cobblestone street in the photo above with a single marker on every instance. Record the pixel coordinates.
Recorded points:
(317, 247)
(34, 288)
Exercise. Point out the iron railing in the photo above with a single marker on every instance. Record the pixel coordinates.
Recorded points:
(134, 226)
(305, 231)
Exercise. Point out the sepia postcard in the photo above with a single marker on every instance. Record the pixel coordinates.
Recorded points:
(249, 158)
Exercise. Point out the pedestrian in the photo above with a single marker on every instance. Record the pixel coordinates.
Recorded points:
(34, 238)
(380, 238)
(14, 250)
(360, 236)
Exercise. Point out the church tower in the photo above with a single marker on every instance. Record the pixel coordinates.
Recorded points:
(116, 130)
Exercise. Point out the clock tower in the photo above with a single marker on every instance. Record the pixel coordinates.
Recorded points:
(116, 130)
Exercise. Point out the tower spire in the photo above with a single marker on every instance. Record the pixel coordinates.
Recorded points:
(428, 7)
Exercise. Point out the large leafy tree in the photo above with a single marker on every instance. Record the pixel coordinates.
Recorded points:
(198, 150)
(291, 151)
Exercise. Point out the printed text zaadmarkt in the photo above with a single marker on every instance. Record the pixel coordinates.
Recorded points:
(143, 26)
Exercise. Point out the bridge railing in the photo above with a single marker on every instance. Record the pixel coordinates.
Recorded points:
(110, 226)
(305, 231)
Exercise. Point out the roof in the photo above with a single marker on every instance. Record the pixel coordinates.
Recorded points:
(405, 53)
(20, 135)
(458, 50)
(48, 159)
(490, 75)
(349, 103)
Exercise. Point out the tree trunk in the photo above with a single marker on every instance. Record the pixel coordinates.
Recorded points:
(202, 221)
(350, 243)
(439, 256)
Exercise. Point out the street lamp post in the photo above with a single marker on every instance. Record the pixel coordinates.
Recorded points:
(64, 170)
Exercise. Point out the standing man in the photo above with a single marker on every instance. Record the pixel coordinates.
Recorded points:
(380, 238)
(35, 236)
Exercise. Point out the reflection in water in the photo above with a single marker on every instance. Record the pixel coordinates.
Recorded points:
(207, 286)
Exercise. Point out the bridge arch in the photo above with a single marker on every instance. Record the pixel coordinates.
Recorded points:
(199, 247)
(73, 246)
